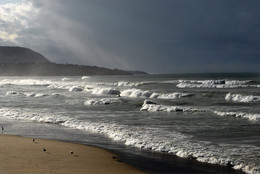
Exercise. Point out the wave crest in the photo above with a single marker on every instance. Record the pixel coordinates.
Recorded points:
(242, 98)
(215, 84)
(253, 117)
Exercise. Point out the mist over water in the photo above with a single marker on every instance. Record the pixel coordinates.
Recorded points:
(209, 118)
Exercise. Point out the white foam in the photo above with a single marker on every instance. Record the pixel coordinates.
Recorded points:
(103, 101)
(85, 77)
(29, 94)
(155, 108)
(215, 84)
(151, 139)
(18, 114)
(76, 88)
(138, 93)
(119, 84)
(40, 95)
(66, 79)
(242, 98)
(105, 84)
(36, 95)
(102, 91)
(253, 117)
(11, 93)
(25, 82)
(237, 82)
(134, 84)
(174, 95)
(129, 84)
(68, 85)
(190, 85)
(58, 86)
(210, 81)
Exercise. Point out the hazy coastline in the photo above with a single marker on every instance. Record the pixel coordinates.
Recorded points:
(20, 61)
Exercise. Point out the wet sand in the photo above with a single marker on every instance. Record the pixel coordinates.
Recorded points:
(22, 155)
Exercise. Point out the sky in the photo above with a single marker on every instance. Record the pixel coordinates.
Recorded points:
(156, 36)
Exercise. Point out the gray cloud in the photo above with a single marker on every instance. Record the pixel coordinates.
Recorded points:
(168, 36)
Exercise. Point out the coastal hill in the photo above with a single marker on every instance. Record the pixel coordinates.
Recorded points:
(20, 55)
(19, 61)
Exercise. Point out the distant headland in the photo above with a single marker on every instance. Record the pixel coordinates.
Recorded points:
(20, 61)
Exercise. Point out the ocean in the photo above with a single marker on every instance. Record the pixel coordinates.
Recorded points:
(206, 118)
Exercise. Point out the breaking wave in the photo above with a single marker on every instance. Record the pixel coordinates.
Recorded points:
(26, 94)
(242, 98)
(31, 82)
(150, 139)
(149, 106)
(11, 93)
(174, 95)
(253, 117)
(119, 84)
(103, 101)
(85, 77)
(102, 91)
(135, 93)
(153, 107)
(216, 84)
(138, 93)
(76, 88)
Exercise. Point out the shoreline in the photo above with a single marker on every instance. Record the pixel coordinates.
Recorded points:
(23, 155)
(146, 161)
(138, 162)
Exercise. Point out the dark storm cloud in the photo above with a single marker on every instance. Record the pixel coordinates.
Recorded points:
(151, 35)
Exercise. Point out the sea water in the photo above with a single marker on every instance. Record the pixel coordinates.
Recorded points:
(211, 118)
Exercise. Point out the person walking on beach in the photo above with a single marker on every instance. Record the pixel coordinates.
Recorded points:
(3, 129)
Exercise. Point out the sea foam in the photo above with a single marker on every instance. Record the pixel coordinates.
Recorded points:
(253, 117)
(215, 84)
(11, 93)
(102, 91)
(149, 139)
(138, 93)
(76, 88)
(155, 107)
(29, 82)
(242, 98)
(85, 77)
(103, 101)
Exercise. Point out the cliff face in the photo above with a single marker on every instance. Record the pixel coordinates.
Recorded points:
(20, 55)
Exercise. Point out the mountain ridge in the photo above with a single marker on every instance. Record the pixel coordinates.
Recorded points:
(20, 61)
(20, 55)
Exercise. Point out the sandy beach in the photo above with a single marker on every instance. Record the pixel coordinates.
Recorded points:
(23, 155)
